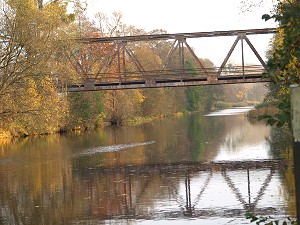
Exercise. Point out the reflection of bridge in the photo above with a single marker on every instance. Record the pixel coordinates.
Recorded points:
(120, 55)
(186, 205)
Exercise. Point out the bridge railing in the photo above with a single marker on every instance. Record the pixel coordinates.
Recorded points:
(174, 74)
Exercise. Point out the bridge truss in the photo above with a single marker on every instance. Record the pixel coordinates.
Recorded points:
(122, 68)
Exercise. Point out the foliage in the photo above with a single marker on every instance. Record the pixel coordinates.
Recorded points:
(122, 105)
(193, 94)
(86, 110)
(284, 61)
(286, 55)
(269, 220)
(33, 57)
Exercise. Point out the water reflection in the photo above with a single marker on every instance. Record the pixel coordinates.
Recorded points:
(183, 191)
(158, 172)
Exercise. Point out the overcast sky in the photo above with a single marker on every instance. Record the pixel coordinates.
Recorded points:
(193, 16)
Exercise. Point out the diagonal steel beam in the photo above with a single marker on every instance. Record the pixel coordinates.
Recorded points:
(255, 52)
(208, 178)
(134, 59)
(111, 61)
(119, 63)
(168, 57)
(124, 63)
(195, 57)
(264, 187)
(106, 60)
(78, 64)
(228, 54)
(80, 67)
(234, 189)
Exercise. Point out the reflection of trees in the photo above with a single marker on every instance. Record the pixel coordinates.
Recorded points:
(35, 183)
(239, 133)
(191, 138)
(280, 141)
(108, 137)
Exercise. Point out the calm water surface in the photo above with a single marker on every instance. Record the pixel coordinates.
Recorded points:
(197, 169)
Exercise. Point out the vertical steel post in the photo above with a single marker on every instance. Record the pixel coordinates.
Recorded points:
(119, 62)
(181, 55)
(243, 61)
(188, 206)
(124, 61)
(295, 112)
(249, 187)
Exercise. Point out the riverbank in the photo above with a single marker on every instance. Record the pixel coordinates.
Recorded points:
(259, 111)
(227, 105)
(132, 121)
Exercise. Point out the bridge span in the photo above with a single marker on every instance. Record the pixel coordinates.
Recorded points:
(120, 67)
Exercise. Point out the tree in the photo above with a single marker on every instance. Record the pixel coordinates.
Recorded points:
(284, 59)
(86, 110)
(122, 105)
(193, 94)
(31, 56)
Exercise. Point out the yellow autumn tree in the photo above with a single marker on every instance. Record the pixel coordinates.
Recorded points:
(34, 57)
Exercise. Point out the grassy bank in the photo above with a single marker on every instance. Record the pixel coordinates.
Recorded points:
(226, 105)
(148, 119)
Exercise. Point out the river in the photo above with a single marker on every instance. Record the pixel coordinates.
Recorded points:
(194, 169)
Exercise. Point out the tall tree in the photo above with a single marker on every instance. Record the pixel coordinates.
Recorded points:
(31, 56)
(284, 59)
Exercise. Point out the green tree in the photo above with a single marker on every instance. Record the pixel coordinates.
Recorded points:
(284, 60)
(193, 94)
(86, 110)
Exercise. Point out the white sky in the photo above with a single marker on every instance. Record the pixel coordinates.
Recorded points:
(194, 16)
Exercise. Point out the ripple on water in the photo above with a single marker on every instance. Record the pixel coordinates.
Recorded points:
(231, 111)
(111, 148)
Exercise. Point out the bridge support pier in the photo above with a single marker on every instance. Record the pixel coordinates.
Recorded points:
(295, 104)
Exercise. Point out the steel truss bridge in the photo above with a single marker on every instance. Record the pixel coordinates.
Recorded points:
(120, 55)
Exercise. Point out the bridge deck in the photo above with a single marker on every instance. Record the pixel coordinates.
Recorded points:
(93, 85)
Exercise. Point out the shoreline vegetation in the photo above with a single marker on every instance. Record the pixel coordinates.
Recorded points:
(132, 121)
(262, 110)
